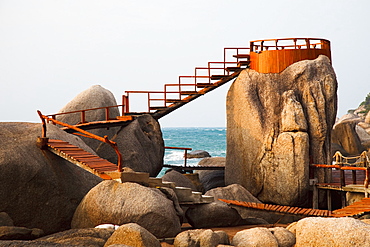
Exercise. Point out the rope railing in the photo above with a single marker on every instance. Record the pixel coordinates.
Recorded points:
(45, 119)
(353, 163)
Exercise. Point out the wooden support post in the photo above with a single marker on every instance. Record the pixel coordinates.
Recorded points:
(328, 196)
(42, 143)
(343, 197)
(315, 194)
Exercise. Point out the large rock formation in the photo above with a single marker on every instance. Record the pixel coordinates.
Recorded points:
(39, 189)
(327, 232)
(116, 203)
(345, 137)
(140, 143)
(94, 97)
(277, 124)
(212, 179)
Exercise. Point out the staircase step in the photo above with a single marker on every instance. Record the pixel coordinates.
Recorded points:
(233, 69)
(218, 77)
(189, 92)
(204, 85)
(243, 63)
(156, 108)
(242, 56)
(175, 100)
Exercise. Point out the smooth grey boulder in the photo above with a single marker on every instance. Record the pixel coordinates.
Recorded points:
(94, 97)
(257, 236)
(179, 179)
(116, 203)
(133, 234)
(212, 178)
(239, 193)
(140, 142)
(277, 124)
(215, 214)
(197, 237)
(198, 154)
(141, 145)
(344, 135)
(284, 237)
(38, 188)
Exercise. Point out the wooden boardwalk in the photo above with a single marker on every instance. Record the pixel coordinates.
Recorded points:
(355, 210)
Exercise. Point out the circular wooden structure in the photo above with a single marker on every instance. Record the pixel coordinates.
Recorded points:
(274, 55)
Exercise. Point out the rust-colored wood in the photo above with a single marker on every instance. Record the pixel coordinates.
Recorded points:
(274, 59)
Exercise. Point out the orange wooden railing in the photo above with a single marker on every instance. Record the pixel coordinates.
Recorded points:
(83, 113)
(274, 55)
(83, 133)
(202, 77)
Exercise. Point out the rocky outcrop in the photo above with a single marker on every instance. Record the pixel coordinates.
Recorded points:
(325, 232)
(344, 135)
(179, 179)
(115, 203)
(133, 235)
(259, 236)
(19, 233)
(38, 188)
(250, 216)
(277, 124)
(94, 97)
(200, 237)
(212, 179)
(76, 237)
(140, 143)
(215, 214)
(198, 154)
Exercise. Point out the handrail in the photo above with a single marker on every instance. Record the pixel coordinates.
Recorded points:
(185, 152)
(323, 43)
(84, 133)
(197, 75)
(83, 112)
(342, 163)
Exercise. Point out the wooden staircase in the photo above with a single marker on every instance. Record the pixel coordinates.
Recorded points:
(88, 161)
(204, 80)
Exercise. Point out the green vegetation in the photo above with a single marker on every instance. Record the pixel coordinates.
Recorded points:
(366, 104)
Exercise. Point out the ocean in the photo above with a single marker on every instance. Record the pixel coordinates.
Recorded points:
(210, 139)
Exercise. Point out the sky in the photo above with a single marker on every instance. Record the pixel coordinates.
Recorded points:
(51, 50)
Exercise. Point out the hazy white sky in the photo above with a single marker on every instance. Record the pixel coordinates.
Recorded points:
(51, 50)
